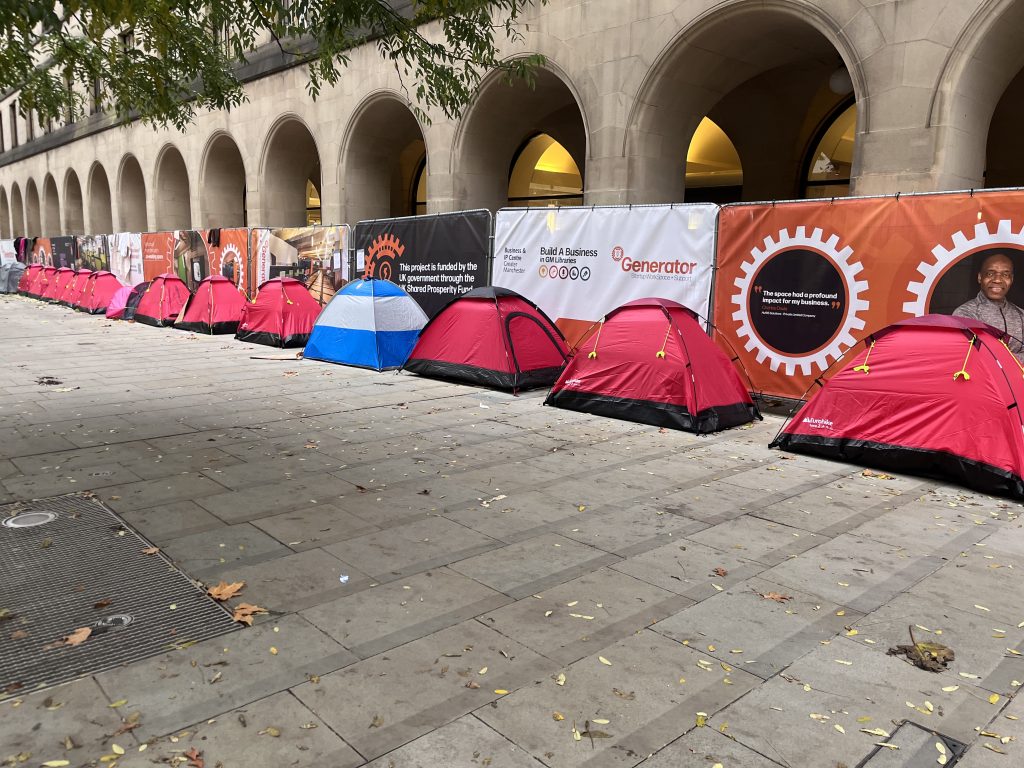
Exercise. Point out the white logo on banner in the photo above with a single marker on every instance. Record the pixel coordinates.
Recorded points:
(577, 264)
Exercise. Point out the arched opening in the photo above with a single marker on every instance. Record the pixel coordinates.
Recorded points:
(131, 197)
(419, 189)
(544, 174)
(508, 130)
(714, 172)
(222, 191)
(173, 204)
(33, 220)
(768, 79)
(291, 176)
(383, 154)
(74, 215)
(828, 165)
(101, 219)
(17, 213)
(51, 208)
(5, 215)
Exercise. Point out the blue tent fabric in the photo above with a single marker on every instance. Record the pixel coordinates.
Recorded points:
(369, 323)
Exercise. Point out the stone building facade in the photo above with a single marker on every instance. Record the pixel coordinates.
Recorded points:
(930, 92)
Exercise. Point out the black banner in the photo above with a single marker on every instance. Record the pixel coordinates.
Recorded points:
(435, 259)
(64, 251)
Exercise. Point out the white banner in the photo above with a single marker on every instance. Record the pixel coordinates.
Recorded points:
(125, 251)
(577, 264)
(8, 254)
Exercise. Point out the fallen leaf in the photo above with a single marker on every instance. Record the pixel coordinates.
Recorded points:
(56, 763)
(702, 719)
(839, 728)
(720, 572)
(875, 732)
(557, 717)
(117, 749)
(600, 721)
(993, 699)
(117, 704)
(473, 684)
(150, 550)
(274, 732)
(102, 603)
(951, 688)
(273, 651)
(19, 634)
(225, 591)
(244, 613)
(500, 691)
(78, 637)
(604, 661)
(630, 696)
(560, 680)
(778, 597)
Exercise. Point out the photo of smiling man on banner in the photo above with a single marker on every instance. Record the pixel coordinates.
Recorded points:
(992, 305)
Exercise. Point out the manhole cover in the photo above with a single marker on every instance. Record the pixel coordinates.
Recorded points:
(913, 745)
(68, 563)
(29, 519)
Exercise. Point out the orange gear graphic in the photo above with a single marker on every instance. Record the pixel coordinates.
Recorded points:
(383, 254)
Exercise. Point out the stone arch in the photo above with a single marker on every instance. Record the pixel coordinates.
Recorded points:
(131, 196)
(381, 156)
(972, 107)
(74, 212)
(172, 192)
(752, 57)
(501, 120)
(101, 219)
(51, 223)
(290, 162)
(222, 184)
(17, 212)
(33, 219)
(5, 215)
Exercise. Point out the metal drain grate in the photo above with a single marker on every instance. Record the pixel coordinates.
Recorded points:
(69, 562)
(915, 746)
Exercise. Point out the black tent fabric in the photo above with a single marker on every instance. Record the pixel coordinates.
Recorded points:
(133, 300)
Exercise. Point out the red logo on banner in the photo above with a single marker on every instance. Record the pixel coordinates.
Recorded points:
(618, 252)
(383, 254)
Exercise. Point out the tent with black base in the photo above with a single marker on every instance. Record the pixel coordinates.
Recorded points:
(939, 396)
(131, 303)
(215, 307)
(493, 337)
(651, 362)
(281, 315)
(162, 301)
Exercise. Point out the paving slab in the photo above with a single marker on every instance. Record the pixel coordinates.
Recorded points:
(242, 736)
(166, 522)
(842, 684)
(760, 540)
(976, 584)
(59, 482)
(639, 693)
(320, 524)
(392, 698)
(266, 500)
(518, 516)
(463, 743)
(629, 529)
(758, 626)
(213, 548)
(410, 548)
(706, 747)
(174, 690)
(579, 617)
(533, 565)
(380, 618)
(1007, 724)
(150, 493)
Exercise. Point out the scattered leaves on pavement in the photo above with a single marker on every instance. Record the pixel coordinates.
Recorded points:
(377, 721)
(195, 758)
(225, 591)
(931, 657)
(244, 613)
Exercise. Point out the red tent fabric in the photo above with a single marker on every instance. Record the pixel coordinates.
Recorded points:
(73, 290)
(281, 315)
(59, 281)
(215, 307)
(163, 301)
(494, 337)
(937, 395)
(100, 287)
(41, 282)
(651, 362)
(28, 277)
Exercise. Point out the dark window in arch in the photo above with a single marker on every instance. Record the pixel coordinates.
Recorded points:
(828, 164)
(419, 189)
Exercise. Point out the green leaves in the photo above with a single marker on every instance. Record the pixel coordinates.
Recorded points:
(162, 61)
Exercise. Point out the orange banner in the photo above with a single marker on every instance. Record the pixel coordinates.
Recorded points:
(800, 283)
(157, 254)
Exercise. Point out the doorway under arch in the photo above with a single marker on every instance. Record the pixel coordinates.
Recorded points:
(51, 224)
(17, 212)
(714, 171)
(5, 215)
(222, 187)
(101, 218)
(74, 215)
(742, 61)
(291, 181)
(498, 130)
(173, 196)
(544, 174)
(131, 197)
(33, 219)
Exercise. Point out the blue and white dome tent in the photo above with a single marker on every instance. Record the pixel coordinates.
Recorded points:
(370, 323)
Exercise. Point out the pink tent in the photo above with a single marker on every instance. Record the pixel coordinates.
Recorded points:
(115, 309)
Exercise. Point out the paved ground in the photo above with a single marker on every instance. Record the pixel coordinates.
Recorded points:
(513, 572)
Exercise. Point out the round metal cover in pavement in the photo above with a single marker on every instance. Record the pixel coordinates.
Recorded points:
(29, 519)
(116, 621)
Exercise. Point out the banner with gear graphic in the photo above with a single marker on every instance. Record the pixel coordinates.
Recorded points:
(578, 264)
(800, 283)
(433, 258)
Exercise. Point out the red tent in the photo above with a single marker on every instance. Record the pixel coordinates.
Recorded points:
(491, 336)
(163, 301)
(215, 307)
(281, 315)
(100, 287)
(73, 290)
(27, 278)
(41, 282)
(650, 361)
(59, 281)
(936, 395)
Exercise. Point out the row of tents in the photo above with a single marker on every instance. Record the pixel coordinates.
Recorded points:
(937, 395)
